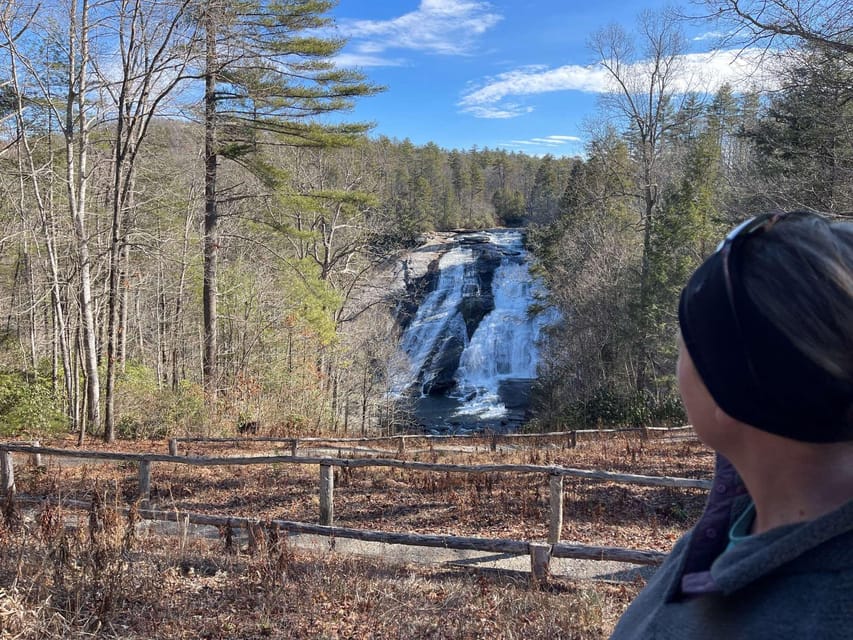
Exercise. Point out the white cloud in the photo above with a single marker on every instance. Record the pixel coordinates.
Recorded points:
(502, 112)
(542, 144)
(701, 72)
(447, 27)
(366, 60)
(709, 35)
(533, 80)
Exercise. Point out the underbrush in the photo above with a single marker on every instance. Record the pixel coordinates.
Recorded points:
(100, 573)
(490, 505)
(27, 405)
(95, 574)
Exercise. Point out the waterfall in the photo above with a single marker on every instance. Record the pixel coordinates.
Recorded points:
(471, 349)
(437, 319)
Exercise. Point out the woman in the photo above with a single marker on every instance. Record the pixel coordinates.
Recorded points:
(765, 371)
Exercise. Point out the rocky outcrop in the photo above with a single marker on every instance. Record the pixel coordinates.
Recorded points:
(477, 301)
(416, 289)
(440, 374)
(468, 340)
(477, 298)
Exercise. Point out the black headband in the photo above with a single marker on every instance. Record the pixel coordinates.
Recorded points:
(753, 371)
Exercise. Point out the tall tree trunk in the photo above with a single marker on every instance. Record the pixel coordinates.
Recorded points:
(124, 283)
(33, 297)
(177, 321)
(162, 326)
(643, 320)
(113, 303)
(76, 135)
(211, 232)
(79, 403)
(117, 295)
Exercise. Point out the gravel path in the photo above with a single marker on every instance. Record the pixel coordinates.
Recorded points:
(566, 567)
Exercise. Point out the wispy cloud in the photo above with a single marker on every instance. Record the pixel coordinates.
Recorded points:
(709, 35)
(446, 27)
(503, 111)
(367, 60)
(556, 145)
(532, 80)
(548, 142)
(702, 72)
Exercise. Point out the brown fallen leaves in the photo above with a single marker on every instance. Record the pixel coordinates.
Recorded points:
(163, 588)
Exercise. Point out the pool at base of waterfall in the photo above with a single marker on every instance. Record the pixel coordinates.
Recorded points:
(469, 352)
(447, 415)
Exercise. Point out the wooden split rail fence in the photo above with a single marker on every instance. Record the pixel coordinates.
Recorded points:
(569, 439)
(540, 554)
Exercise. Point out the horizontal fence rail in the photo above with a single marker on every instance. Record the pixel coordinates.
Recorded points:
(426, 436)
(490, 545)
(354, 463)
(539, 553)
(400, 440)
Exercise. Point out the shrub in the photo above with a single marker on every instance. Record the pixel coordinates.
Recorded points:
(608, 407)
(144, 410)
(28, 407)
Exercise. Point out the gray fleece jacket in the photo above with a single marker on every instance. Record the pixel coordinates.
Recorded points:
(790, 582)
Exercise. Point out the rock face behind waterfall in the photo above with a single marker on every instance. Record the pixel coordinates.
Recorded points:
(475, 304)
(468, 343)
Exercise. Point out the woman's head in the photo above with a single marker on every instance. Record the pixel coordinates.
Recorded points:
(768, 323)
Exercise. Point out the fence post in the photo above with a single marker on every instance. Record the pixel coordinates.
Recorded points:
(35, 458)
(144, 481)
(401, 445)
(494, 443)
(327, 488)
(573, 439)
(7, 474)
(293, 447)
(540, 563)
(555, 527)
(173, 446)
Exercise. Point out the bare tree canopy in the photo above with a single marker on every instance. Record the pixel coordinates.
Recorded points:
(827, 24)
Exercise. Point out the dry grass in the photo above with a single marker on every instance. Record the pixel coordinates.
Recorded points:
(102, 579)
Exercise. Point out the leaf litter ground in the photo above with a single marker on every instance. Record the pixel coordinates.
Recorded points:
(209, 589)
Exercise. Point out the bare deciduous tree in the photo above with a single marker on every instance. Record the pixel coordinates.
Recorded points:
(154, 41)
(826, 24)
(648, 81)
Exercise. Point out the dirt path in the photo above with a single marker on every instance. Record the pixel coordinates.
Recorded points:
(404, 554)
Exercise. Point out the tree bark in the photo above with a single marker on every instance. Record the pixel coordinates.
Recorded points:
(77, 141)
(211, 217)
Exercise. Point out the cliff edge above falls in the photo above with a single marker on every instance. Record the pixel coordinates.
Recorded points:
(415, 263)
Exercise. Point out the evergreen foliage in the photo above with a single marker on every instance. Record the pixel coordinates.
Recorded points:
(804, 142)
(304, 209)
(27, 406)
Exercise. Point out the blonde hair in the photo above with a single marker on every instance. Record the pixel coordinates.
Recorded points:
(801, 278)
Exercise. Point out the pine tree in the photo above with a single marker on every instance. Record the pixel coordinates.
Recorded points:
(804, 141)
(268, 76)
(542, 206)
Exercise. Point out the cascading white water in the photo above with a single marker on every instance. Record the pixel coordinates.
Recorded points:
(503, 346)
(437, 317)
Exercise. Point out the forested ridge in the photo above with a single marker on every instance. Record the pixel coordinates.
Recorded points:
(187, 244)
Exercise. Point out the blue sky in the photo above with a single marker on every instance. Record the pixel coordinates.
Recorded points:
(511, 74)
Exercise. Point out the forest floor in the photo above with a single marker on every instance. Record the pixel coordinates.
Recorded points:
(106, 578)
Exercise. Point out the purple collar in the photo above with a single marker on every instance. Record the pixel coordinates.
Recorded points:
(710, 535)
